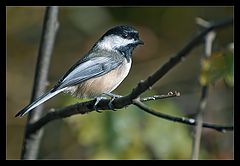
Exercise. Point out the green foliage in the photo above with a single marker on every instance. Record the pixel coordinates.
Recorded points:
(219, 66)
(229, 72)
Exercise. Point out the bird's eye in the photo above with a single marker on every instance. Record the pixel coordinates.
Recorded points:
(125, 35)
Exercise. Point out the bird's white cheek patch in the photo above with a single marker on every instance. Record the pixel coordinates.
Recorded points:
(111, 42)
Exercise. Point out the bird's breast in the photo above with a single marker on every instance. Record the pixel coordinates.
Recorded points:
(102, 84)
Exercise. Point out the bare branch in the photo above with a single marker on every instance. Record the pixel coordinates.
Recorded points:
(145, 85)
(209, 38)
(85, 107)
(183, 120)
(50, 26)
(198, 128)
(156, 97)
(82, 108)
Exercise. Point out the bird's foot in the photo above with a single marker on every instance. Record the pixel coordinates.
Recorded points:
(98, 99)
(113, 97)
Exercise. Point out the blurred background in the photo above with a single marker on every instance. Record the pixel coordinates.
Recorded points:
(128, 133)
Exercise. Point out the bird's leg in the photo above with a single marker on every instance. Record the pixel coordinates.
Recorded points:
(113, 97)
(98, 99)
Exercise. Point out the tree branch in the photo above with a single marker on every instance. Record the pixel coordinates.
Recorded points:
(198, 127)
(204, 90)
(85, 107)
(31, 141)
(145, 85)
(157, 97)
(183, 120)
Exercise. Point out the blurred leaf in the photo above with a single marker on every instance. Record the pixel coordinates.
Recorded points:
(228, 57)
(218, 66)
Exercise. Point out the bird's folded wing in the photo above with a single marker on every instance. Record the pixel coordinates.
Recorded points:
(92, 68)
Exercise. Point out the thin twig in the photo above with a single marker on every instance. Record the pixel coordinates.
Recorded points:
(122, 102)
(209, 38)
(198, 128)
(31, 141)
(156, 97)
(183, 120)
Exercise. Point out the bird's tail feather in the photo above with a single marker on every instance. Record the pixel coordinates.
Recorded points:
(38, 101)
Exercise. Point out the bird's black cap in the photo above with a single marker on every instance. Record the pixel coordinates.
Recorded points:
(124, 31)
(118, 30)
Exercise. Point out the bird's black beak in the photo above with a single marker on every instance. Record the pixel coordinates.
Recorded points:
(139, 42)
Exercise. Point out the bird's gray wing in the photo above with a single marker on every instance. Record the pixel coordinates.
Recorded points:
(91, 68)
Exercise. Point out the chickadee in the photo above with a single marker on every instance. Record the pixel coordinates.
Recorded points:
(100, 71)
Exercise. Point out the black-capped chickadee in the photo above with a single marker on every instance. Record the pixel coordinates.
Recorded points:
(100, 71)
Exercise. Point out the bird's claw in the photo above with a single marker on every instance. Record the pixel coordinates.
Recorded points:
(98, 99)
(110, 105)
(113, 97)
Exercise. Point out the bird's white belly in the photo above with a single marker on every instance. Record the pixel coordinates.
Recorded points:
(122, 74)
